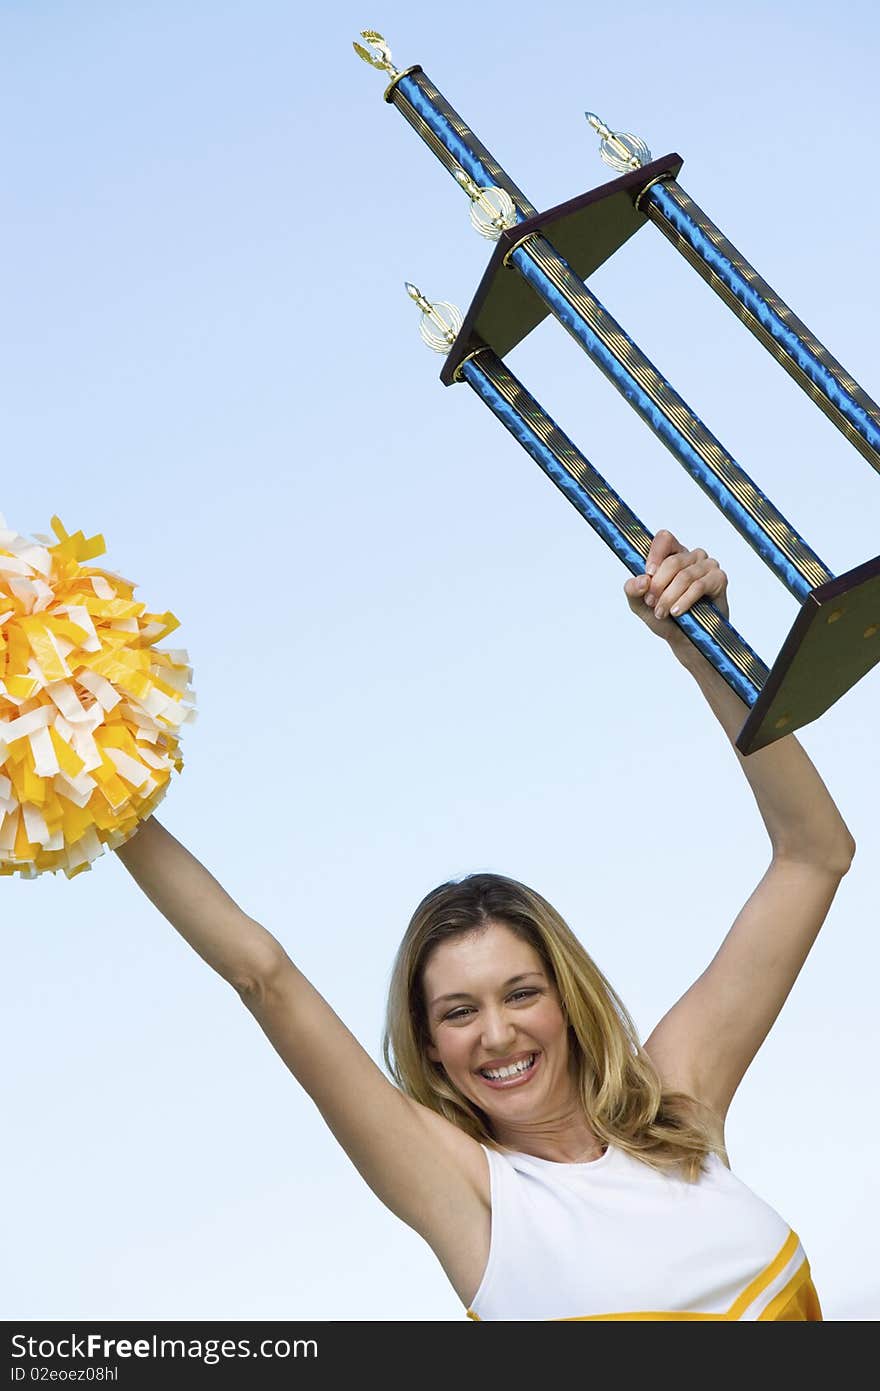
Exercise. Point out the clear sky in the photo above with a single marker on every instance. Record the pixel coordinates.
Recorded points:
(412, 657)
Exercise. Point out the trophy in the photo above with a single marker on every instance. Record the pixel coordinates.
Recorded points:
(539, 266)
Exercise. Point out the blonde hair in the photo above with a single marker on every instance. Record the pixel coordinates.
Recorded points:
(620, 1089)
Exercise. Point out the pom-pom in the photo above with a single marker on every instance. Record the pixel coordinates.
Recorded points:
(90, 708)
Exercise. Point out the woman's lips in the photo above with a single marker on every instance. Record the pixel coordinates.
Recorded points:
(505, 1083)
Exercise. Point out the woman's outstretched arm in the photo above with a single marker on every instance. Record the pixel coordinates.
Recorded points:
(429, 1173)
(708, 1039)
(201, 910)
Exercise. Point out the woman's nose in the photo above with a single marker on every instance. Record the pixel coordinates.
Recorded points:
(498, 1032)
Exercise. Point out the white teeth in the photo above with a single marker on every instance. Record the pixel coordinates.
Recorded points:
(498, 1073)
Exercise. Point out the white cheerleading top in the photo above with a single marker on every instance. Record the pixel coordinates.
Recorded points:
(617, 1239)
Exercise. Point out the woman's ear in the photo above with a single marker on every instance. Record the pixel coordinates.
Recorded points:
(432, 1053)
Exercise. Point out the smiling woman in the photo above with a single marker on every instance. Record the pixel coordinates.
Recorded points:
(559, 1168)
(551, 1079)
(475, 1008)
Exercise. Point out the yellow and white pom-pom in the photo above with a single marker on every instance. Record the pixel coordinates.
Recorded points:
(90, 709)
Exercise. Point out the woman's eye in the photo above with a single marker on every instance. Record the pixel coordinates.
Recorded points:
(456, 1015)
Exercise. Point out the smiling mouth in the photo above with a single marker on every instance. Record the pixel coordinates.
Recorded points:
(510, 1076)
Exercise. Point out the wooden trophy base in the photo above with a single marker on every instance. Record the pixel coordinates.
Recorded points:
(833, 643)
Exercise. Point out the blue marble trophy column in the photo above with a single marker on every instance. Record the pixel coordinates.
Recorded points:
(585, 488)
(764, 313)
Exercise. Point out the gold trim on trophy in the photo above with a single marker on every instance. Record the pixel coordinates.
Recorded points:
(659, 179)
(407, 72)
(505, 261)
(458, 374)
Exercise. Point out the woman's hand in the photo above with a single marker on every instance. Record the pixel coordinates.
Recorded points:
(674, 579)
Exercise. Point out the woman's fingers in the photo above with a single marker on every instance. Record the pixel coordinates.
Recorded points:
(663, 545)
(669, 569)
(636, 587)
(675, 579)
(699, 589)
(700, 578)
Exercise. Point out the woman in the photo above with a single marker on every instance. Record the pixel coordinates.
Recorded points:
(558, 1168)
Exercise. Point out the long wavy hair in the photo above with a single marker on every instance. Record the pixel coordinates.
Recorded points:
(623, 1099)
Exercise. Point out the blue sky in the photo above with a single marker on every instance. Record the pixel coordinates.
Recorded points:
(412, 657)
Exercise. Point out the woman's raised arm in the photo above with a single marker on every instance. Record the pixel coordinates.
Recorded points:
(708, 1039)
(430, 1174)
(201, 910)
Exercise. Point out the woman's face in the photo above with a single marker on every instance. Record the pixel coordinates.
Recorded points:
(493, 1009)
